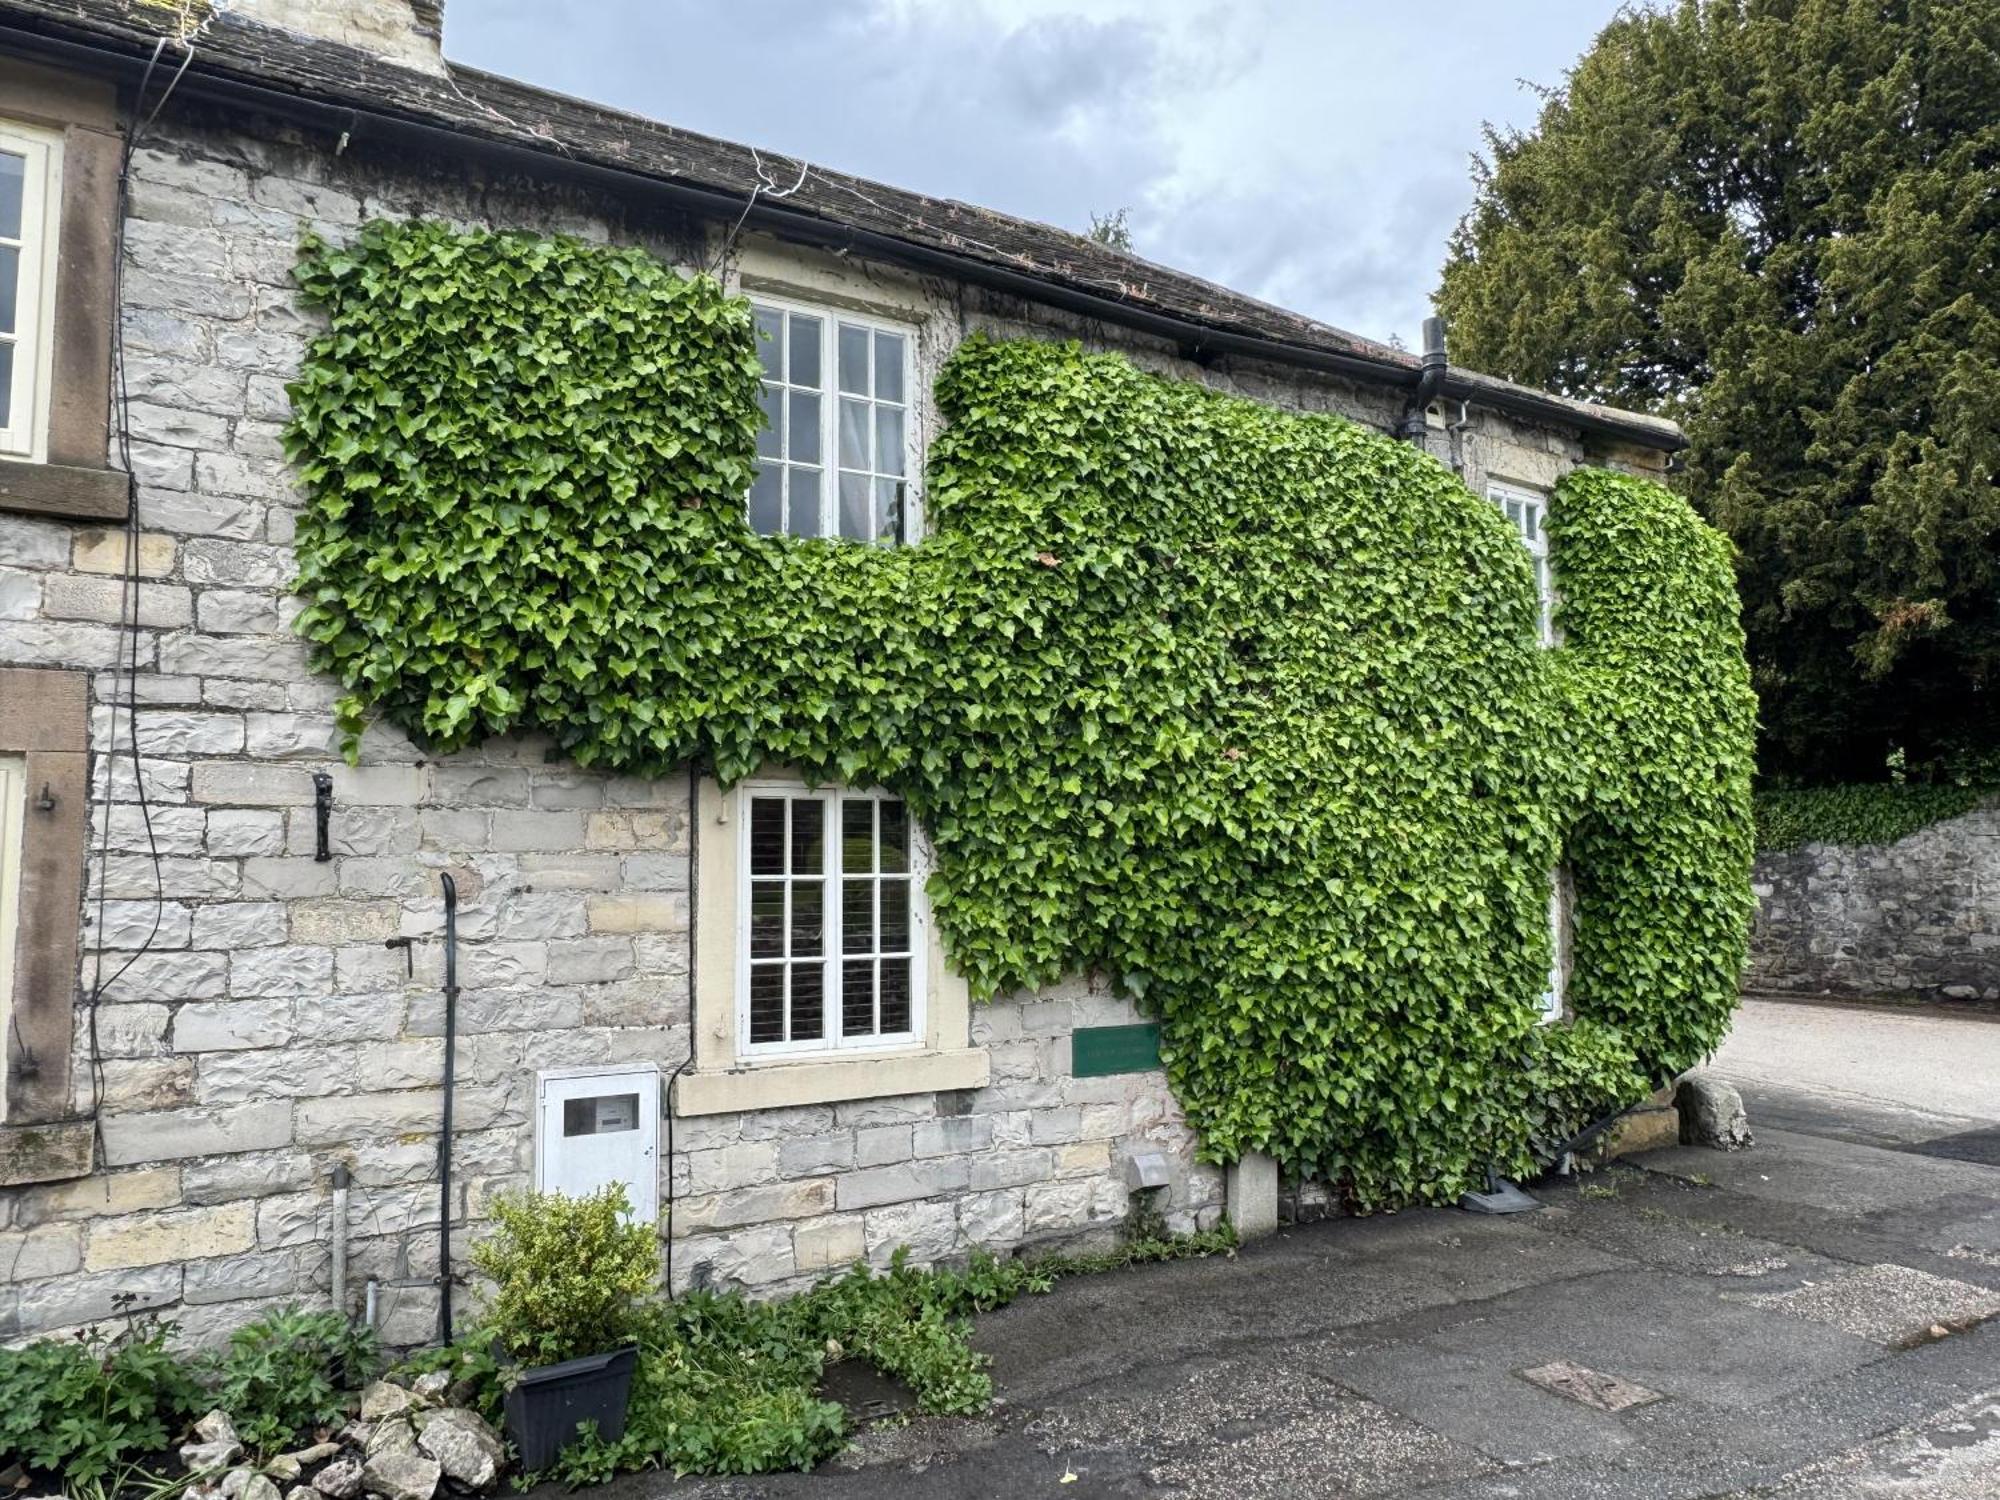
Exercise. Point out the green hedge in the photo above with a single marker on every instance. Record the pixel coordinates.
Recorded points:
(1873, 813)
(1243, 707)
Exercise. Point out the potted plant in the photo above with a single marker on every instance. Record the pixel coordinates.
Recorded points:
(570, 1276)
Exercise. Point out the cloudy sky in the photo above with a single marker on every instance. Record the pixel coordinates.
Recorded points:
(1310, 152)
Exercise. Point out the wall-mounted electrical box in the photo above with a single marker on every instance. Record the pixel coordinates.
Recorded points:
(597, 1126)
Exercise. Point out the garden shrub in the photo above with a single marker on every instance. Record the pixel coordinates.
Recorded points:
(86, 1407)
(568, 1273)
(1243, 707)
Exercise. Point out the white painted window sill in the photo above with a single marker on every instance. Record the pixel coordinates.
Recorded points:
(830, 1080)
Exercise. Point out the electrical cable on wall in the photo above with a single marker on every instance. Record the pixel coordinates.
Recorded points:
(126, 662)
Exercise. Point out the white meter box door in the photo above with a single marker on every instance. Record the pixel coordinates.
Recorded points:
(599, 1127)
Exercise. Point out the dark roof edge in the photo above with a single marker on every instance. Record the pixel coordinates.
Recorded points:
(226, 85)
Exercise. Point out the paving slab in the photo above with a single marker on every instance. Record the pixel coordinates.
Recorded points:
(1258, 1428)
(1890, 1304)
(1952, 1456)
(1307, 1279)
(1837, 1177)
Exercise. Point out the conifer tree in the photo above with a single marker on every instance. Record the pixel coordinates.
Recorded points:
(1778, 221)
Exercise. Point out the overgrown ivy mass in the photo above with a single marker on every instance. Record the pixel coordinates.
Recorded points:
(1242, 707)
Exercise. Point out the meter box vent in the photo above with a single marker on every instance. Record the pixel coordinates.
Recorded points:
(597, 1126)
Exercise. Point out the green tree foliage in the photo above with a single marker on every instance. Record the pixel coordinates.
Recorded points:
(1242, 707)
(1779, 221)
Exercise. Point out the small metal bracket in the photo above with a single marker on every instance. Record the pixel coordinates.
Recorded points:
(409, 953)
(322, 815)
(47, 801)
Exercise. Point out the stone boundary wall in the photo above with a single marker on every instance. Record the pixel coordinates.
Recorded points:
(269, 1034)
(1917, 917)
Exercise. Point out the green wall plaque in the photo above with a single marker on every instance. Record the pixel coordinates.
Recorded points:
(1099, 1051)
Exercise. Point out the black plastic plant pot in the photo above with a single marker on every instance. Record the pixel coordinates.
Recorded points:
(547, 1404)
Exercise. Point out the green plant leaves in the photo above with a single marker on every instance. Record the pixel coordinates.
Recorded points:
(1242, 707)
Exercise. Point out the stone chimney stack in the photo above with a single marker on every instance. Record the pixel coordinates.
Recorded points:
(409, 33)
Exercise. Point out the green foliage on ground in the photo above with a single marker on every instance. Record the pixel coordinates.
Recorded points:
(284, 1375)
(726, 1385)
(1773, 219)
(1243, 707)
(567, 1273)
(1871, 813)
(87, 1407)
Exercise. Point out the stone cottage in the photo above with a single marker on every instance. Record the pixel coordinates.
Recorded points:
(220, 946)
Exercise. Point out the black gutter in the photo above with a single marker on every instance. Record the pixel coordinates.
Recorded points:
(803, 228)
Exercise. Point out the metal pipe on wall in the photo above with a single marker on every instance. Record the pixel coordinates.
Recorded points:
(444, 1135)
(340, 1180)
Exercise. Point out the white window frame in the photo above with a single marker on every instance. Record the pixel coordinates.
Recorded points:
(25, 435)
(1531, 525)
(13, 818)
(833, 882)
(830, 395)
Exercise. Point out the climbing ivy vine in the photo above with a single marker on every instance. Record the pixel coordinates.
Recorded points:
(1242, 707)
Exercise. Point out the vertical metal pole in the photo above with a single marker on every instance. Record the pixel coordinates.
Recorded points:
(444, 1138)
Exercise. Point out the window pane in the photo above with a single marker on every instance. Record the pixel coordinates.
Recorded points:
(895, 995)
(1531, 517)
(889, 366)
(767, 500)
(895, 837)
(608, 1114)
(802, 500)
(857, 998)
(770, 347)
(854, 434)
(771, 436)
(805, 351)
(6, 383)
(895, 916)
(767, 1002)
(889, 510)
(808, 835)
(767, 919)
(802, 436)
(857, 836)
(767, 836)
(857, 519)
(10, 276)
(857, 916)
(808, 1002)
(853, 359)
(808, 924)
(13, 177)
(888, 440)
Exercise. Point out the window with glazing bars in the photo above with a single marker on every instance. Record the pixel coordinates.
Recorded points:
(834, 453)
(29, 164)
(1528, 512)
(829, 949)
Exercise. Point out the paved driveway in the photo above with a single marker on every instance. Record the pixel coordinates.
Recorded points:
(1805, 1319)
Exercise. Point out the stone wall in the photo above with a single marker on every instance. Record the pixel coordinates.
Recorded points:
(268, 1034)
(1917, 917)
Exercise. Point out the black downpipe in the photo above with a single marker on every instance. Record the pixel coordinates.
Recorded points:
(1430, 383)
(444, 1139)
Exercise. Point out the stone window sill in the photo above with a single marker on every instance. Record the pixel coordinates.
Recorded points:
(46, 1153)
(67, 491)
(830, 1080)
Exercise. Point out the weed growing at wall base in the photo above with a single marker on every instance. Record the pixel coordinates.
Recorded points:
(1243, 707)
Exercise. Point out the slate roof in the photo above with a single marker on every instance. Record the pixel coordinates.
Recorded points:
(573, 137)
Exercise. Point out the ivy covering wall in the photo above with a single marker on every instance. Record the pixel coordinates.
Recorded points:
(1242, 707)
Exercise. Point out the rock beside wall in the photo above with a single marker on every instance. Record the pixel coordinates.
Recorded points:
(1920, 916)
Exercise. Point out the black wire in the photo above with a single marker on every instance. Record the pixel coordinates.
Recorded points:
(126, 662)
